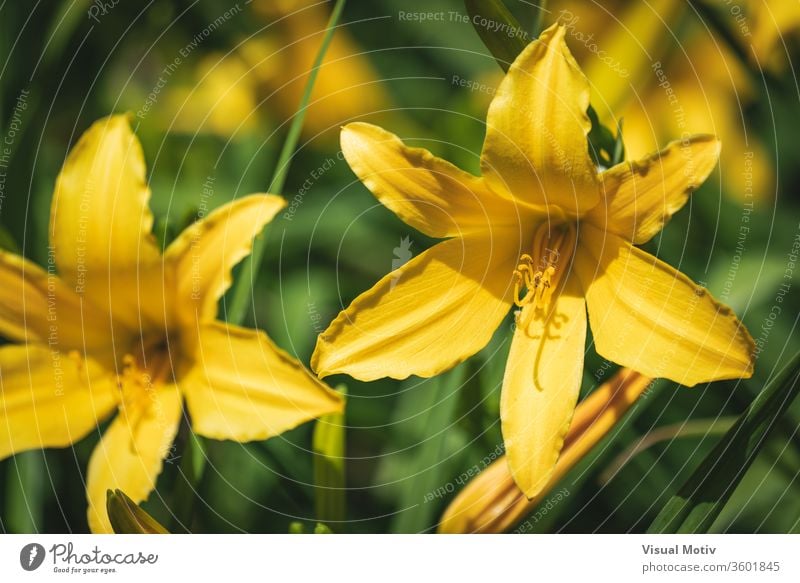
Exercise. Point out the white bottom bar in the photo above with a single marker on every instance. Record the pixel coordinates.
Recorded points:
(355, 558)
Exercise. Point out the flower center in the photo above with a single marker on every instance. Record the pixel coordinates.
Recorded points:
(541, 272)
(144, 371)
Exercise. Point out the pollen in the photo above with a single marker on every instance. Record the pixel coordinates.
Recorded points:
(141, 375)
(540, 273)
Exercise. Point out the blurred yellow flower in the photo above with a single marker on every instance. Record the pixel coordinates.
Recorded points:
(544, 230)
(676, 76)
(269, 71)
(124, 328)
(492, 502)
(773, 21)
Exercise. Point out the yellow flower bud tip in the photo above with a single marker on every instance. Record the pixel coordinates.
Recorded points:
(127, 517)
(493, 503)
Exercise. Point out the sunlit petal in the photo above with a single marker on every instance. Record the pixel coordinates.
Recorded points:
(243, 387)
(426, 192)
(536, 127)
(131, 453)
(49, 398)
(423, 318)
(650, 317)
(641, 196)
(541, 386)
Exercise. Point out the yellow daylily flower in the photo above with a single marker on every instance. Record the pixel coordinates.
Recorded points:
(541, 220)
(124, 328)
(492, 502)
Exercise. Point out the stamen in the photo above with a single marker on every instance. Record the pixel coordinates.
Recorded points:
(541, 273)
(138, 383)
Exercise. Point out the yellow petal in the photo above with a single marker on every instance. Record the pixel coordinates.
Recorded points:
(49, 399)
(130, 455)
(100, 221)
(536, 146)
(641, 196)
(205, 253)
(425, 317)
(426, 192)
(650, 317)
(38, 307)
(243, 387)
(541, 385)
(136, 302)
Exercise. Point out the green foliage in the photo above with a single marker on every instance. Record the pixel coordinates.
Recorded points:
(701, 499)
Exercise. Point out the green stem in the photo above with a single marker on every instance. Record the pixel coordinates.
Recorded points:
(242, 289)
(538, 19)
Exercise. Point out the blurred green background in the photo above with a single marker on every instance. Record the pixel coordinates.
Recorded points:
(212, 86)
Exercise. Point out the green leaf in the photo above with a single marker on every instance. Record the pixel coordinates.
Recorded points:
(242, 289)
(700, 500)
(329, 473)
(7, 242)
(191, 468)
(24, 503)
(499, 30)
(128, 518)
(434, 405)
(605, 148)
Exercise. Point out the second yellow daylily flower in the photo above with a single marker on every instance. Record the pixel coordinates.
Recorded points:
(124, 328)
(542, 229)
